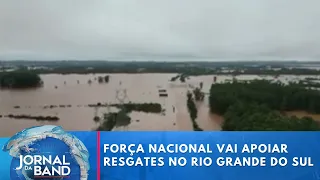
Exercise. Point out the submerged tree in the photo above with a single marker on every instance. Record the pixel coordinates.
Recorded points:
(106, 78)
(182, 78)
(100, 79)
(96, 119)
(198, 95)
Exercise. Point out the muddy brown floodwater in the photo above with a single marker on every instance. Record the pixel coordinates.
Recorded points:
(74, 90)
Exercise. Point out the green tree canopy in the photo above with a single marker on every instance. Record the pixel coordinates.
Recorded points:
(19, 79)
(257, 105)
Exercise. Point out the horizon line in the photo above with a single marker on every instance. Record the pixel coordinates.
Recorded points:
(162, 61)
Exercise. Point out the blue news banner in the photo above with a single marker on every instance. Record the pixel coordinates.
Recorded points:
(197, 155)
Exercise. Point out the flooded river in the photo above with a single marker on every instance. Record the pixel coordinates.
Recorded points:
(74, 90)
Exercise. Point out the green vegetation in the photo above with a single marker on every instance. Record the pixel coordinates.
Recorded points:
(100, 79)
(29, 117)
(104, 79)
(129, 107)
(108, 122)
(309, 83)
(121, 119)
(143, 107)
(175, 78)
(256, 105)
(198, 94)
(96, 119)
(257, 117)
(112, 120)
(181, 77)
(311, 78)
(193, 112)
(19, 79)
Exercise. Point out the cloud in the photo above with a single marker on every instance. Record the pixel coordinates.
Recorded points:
(151, 29)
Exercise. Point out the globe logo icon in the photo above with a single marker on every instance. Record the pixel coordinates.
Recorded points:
(47, 152)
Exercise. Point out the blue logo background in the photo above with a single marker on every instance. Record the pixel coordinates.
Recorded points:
(47, 146)
(48, 141)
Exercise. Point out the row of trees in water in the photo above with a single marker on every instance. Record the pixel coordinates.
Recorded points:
(104, 79)
(142, 107)
(182, 78)
(192, 97)
(193, 111)
(259, 105)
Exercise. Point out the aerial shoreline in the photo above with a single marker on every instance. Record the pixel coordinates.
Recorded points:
(141, 67)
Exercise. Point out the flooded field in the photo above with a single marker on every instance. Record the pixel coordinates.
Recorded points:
(75, 91)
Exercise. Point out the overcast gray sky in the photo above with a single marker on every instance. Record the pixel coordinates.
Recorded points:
(163, 29)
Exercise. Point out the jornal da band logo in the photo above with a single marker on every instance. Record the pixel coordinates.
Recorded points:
(45, 166)
(47, 152)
